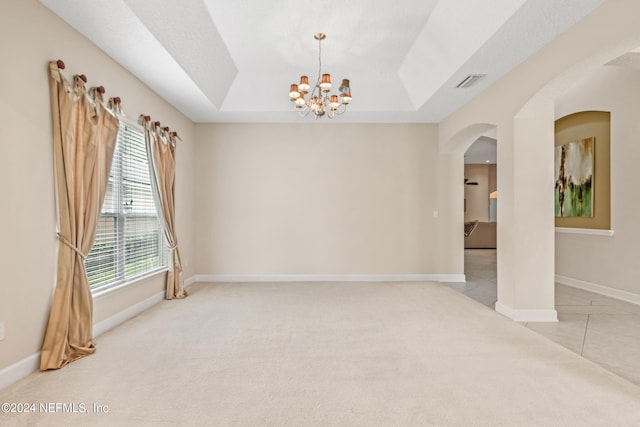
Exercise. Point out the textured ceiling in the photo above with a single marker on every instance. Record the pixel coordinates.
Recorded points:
(225, 61)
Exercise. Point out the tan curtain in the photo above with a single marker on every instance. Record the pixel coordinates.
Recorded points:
(161, 152)
(84, 137)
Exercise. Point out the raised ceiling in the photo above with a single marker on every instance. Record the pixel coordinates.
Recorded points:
(482, 151)
(226, 61)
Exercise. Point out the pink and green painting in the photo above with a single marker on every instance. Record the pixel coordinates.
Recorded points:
(574, 178)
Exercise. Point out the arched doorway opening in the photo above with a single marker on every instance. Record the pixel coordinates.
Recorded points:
(476, 146)
(480, 219)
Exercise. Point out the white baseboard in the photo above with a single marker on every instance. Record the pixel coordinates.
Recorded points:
(31, 364)
(607, 291)
(19, 370)
(527, 315)
(329, 278)
(190, 281)
(126, 314)
(585, 231)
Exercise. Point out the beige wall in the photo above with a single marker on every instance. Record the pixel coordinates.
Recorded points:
(477, 196)
(322, 199)
(32, 36)
(602, 260)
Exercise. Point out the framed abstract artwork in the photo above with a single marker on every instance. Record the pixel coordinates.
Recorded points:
(574, 166)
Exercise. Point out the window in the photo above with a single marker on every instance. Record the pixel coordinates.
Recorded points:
(129, 237)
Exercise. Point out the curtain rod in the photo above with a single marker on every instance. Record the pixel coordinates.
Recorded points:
(165, 129)
(116, 100)
(101, 89)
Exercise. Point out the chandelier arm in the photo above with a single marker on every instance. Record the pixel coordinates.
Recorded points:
(306, 108)
(337, 111)
(344, 110)
(304, 113)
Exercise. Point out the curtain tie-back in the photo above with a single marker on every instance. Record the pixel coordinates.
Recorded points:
(71, 245)
(173, 246)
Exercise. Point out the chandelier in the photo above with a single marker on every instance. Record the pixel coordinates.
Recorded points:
(319, 100)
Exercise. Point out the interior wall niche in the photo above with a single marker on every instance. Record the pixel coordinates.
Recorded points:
(576, 127)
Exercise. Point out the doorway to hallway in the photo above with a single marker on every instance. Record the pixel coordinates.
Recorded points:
(480, 269)
(480, 214)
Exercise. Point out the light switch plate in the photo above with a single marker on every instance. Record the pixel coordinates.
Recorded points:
(1, 331)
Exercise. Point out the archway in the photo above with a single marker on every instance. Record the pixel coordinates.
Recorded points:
(479, 237)
(522, 107)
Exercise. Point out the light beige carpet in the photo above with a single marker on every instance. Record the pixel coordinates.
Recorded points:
(327, 354)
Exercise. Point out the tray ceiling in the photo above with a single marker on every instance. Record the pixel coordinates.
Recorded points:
(223, 61)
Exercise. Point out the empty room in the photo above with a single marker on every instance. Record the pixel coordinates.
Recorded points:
(320, 213)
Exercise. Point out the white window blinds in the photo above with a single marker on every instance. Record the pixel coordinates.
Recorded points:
(129, 238)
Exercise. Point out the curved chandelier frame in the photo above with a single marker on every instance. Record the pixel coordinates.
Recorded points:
(319, 100)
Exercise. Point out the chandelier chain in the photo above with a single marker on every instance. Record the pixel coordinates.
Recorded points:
(319, 66)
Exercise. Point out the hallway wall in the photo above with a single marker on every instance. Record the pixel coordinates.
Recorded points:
(609, 261)
(477, 196)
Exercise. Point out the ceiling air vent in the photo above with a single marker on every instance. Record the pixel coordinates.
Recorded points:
(469, 81)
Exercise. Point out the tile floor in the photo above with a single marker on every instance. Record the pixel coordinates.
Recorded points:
(601, 329)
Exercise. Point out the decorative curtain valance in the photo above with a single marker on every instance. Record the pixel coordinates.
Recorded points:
(161, 152)
(84, 138)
